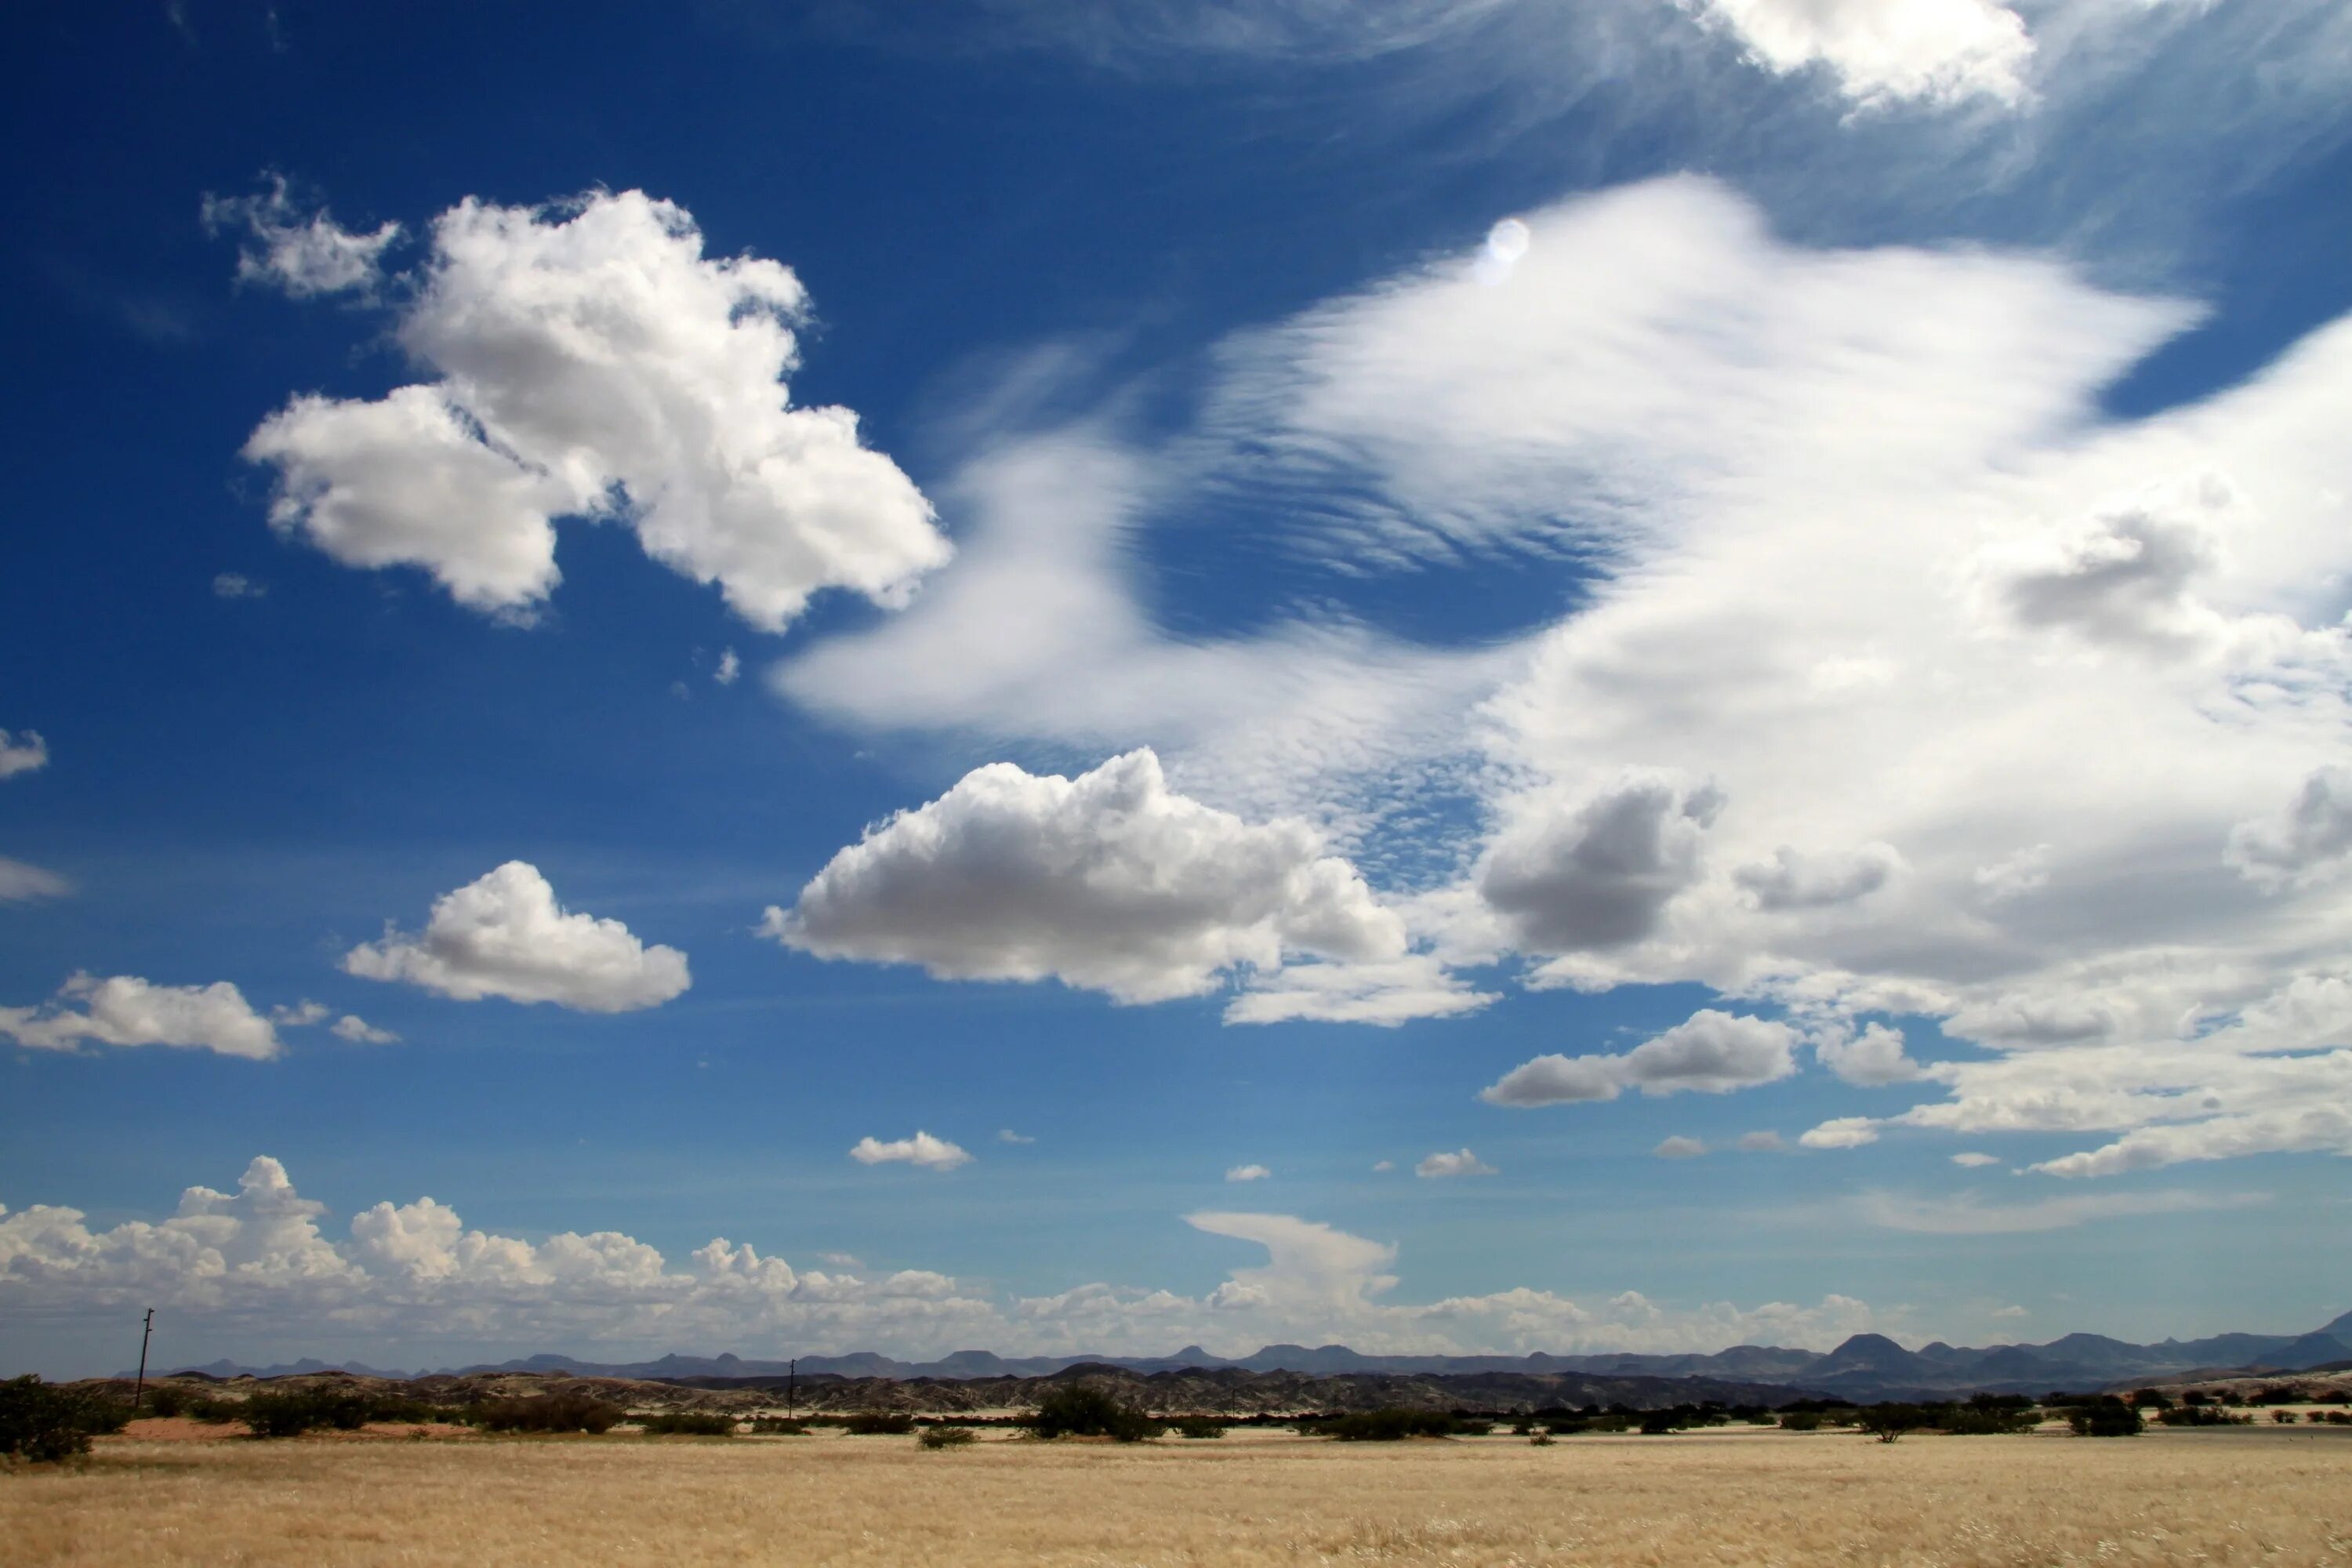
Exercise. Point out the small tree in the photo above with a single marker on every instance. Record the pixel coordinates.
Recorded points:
(45, 1424)
(2106, 1417)
(1084, 1410)
(1888, 1422)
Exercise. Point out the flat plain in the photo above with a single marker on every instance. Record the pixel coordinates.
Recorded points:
(1714, 1497)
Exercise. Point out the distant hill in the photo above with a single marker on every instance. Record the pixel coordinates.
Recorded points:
(1866, 1366)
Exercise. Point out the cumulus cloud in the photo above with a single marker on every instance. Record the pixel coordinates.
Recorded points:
(1969, 1160)
(1396, 991)
(592, 361)
(1873, 1056)
(1886, 51)
(1711, 1052)
(124, 1010)
(1598, 872)
(21, 882)
(1840, 1132)
(1109, 881)
(1247, 1174)
(1460, 1163)
(729, 667)
(1679, 1148)
(1792, 879)
(260, 1261)
(1761, 1143)
(1006, 1135)
(21, 752)
(303, 254)
(505, 935)
(921, 1151)
(2306, 842)
(359, 1032)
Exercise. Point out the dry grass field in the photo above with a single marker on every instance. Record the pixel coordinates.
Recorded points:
(1715, 1497)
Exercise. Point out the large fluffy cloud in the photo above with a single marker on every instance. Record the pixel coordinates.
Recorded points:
(505, 935)
(1110, 880)
(124, 1010)
(591, 361)
(1711, 1051)
(260, 1264)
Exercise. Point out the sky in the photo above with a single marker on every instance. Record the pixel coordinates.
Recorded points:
(1447, 675)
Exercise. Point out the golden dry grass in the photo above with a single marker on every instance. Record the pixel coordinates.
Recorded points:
(1702, 1498)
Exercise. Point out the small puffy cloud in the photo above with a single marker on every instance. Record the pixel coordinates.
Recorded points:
(505, 935)
(922, 1150)
(1873, 1056)
(1760, 1143)
(22, 883)
(1842, 1132)
(1882, 52)
(1792, 879)
(1970, 1159)
(303, 254)
(1109, 881)
(1679, 1148)
(1711, 1052)
(1460, 1163)
(1006, 1135)
(237, 585)
(124, 1010)
(1247, 1174)
(2304, 842)
(21, 752)
(1382, 1166)
(731, 666)
(301, 1013)
(1597, 873)
(594, 363)
(359, 1032)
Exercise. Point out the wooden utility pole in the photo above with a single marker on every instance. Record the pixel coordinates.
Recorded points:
(146, 1332)
(791, 1385)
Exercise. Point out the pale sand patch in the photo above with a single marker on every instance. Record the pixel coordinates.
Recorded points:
(2284, 1497)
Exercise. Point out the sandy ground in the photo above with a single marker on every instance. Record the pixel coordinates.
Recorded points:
(2278, 1496)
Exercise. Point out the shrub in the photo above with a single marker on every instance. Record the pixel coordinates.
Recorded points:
(2201, 1416)
(1083, 1410)
(288, 1413)
(2284, 1417)
(1383, 1425)
(2106, 1417)
(272, 1413)
(1980, 1417)
(45, 1424)
(689, 1424)
(2150, 1399)
(549, 1412)
(1199, 1426)
(778, 1426)
(2334, 1417)
(878, 1423)
(1800, 1420)
(946, 1436)
(1660, 1423)
(1541, 1440)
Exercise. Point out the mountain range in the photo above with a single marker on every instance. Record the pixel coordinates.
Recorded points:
(1866, 1366)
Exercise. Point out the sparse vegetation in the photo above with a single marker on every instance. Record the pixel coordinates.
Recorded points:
(290, 1413)
(778, 1426)
(1393, 1425)
(2202, 1416)
(1888, 1422)
(45, 1424)
(879, 1424)
(688, 1424)
(947, 1436)
(549, 1412)
(1199, 1426)
(2106, 1416)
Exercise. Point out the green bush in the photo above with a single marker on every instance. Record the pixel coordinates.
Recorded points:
(1083, 1410)
(549, 1412)
(878, 1423)
(2106, 1417)
(289, 1412)
(778, 1426)
(688, 1424)
(45, 1424)
(2150, 1399)
(1541, 1440)
(1663, 1423)
(1390, 1426)
(1888, 1422)
(1199, 1426)
(2202, 1416)
(947, 1436)
(1800, 1420)
(2284, 1417)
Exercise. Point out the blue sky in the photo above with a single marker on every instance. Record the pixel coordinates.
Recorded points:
(1459, 588)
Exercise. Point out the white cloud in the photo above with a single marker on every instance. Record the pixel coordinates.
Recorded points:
(729, 667)
(1460, 1163)
(1006, 1135)
(124, 1010)
(594, 363)
(2306, 842)
(1247, 1174)
(921, 1151)
(1109, 881)
(359, 1032)
(1873, 1056)
(1388, 993)
(21, 752)
(1885, 51)
(1840, 1132)
(505, 935)
(1965, 1214)
(301, 1013)
(1711, 1052)
(1793, 880)
(21, 882)
(1972, 1161)
(1679, 1148)
(259, 1263)
(2011, 1312)
(1380, 1166)
(1761, 1143)
(237, 586)
(303, 256)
